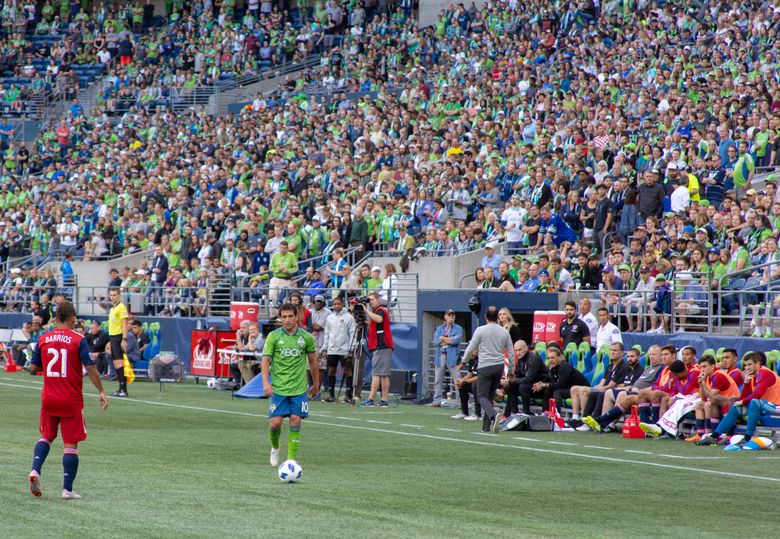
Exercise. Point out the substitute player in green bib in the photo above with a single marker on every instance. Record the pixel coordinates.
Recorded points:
(285, 354)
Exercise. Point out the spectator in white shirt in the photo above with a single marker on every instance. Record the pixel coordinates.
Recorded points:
(681, 197)
(513, 218)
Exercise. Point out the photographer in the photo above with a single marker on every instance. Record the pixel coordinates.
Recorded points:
(338, 346)
(380, 343)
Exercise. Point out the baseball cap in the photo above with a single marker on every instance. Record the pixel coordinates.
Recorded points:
(319, 297)
(544, 272)
(683, 275)
(688, 229)
(660, 277)
(490, 246)
(449, 311)
(376, 268)
(644, 269)
(607, 269)
(624, 267)
(702, 229)
(714, 250)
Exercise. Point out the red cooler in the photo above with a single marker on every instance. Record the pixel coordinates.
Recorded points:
(540, 327)
(552, 327)
(240, 311)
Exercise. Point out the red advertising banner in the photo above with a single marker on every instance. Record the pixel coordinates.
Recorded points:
(540, 327)
(552, 327)
(203, 352)
(226, 343)
(240, 311)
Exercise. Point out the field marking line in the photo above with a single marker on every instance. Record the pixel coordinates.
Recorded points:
(638, 452)
(685, 457)
(413, 426)
(348, 418)
(462, 440)
(560, 443)
(527, 439)
(378, 422)
(450, 430)
(598, 447)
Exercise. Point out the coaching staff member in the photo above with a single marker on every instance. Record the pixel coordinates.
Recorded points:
(529, 369)
(563, 376)
(493, 343)
(380, 343)
(573, 329)
(117, 336)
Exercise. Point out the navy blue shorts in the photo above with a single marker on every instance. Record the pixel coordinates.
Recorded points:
(287, 405)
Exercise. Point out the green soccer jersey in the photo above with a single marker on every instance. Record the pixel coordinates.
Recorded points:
(288, 360)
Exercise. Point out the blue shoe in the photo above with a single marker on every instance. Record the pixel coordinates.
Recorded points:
(367, 402)
(383, 404)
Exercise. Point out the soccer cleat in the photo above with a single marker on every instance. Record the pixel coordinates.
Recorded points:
(649, 428)
(708, 439)
(694, 438)
(274, 456)
(496, 426)
(472, 417)
(330, 399)
(608, 429)
(70, 495)
(460, 415)
(768, 334)
(35, 484)
(120, 394)
(582, 428)
(367, 402)
(591, 422)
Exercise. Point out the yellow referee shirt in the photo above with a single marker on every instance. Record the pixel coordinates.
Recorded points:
(115, 317)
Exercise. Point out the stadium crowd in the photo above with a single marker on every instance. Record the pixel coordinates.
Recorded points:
(598, 141)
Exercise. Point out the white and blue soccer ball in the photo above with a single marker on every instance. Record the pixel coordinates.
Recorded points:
(290, 471)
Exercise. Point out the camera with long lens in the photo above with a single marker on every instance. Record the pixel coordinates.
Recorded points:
(357, 306)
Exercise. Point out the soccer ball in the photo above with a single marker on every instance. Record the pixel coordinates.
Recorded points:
(290, 471)
(211, 383)
(499, 396)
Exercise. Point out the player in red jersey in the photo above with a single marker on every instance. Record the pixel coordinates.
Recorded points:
(60, 354)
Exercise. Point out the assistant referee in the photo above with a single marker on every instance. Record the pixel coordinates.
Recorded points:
(494, 344)
(117, 337)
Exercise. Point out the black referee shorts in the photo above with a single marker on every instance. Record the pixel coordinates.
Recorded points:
(333, 361)
(116, 347)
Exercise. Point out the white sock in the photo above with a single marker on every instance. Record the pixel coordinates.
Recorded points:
(575, 416)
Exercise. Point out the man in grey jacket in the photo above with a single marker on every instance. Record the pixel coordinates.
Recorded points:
(493, 344)
(338, 345)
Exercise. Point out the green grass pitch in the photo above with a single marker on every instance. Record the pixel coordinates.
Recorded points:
(191, 462)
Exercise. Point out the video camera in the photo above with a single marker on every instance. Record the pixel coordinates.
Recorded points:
(357, 306)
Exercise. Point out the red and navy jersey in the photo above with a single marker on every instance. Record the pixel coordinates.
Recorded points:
(736, 375)
(688, 386)
(60, 354)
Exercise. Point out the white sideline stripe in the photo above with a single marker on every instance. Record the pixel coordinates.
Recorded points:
(560, 443)
(526, 439)
(412, 426)
(598, 447)
(637, 452)
(451, 430)
(684, 457)
(379, 422)
(349, 418)
(461, 440)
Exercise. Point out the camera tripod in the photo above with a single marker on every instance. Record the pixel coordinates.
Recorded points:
(358, 360)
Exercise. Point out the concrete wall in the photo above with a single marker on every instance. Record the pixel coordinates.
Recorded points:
(430, 9)
(438, 273)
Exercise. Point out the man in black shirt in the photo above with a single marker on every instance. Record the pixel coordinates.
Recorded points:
(563, 376)
(651, 196)
(573, 329)
(467, 386)
(97, 339)
(587, 399)
(529, 369)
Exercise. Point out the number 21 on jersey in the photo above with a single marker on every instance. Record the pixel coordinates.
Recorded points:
(57, 356)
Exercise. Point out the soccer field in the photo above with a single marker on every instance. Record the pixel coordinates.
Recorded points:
(191, 462)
